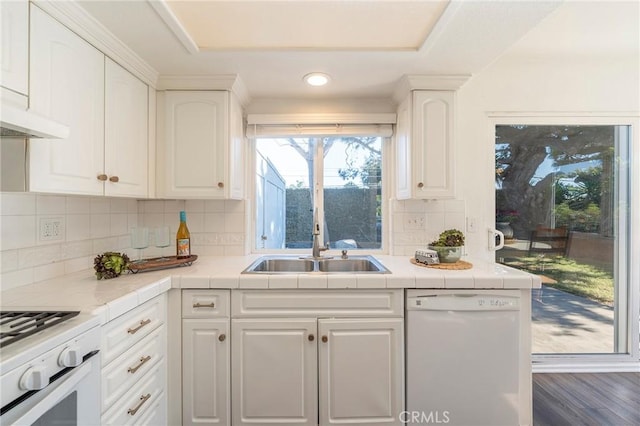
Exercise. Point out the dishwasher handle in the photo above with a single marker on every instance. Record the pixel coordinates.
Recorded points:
(463, 302)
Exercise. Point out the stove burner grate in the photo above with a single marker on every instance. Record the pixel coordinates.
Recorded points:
(16, 325)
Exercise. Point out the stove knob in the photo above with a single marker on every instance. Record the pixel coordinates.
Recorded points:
(70, 357)
(34, 378)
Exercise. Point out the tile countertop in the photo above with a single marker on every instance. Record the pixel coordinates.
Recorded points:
(111, 298)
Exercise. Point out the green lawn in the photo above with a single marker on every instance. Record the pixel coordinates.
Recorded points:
(573, 277)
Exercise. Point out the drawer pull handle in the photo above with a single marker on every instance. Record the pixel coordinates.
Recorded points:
(420, 184)
(311, 337)
(102, 177)
(222, 337)
(204, 305)
(325, 339)
(114, 179)
(143, 399)
(143, 360)
(142, 324)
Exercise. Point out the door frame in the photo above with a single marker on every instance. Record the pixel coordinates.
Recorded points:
(629, 361)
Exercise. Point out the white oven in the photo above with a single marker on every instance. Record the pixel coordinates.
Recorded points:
(53, 376)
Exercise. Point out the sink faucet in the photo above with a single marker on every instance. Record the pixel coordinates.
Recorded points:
(317, 248)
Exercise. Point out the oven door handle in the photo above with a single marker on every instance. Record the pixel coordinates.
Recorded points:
(60, 388)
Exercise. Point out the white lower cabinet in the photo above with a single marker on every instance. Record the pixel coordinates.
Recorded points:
(205, 372)
(134, 366)
(206, 384)
(274, 371)
(316, 368)
(360, 370)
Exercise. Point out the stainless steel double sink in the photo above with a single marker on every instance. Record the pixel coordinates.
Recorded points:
(276, 264)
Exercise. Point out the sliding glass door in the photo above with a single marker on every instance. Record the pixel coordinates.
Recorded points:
(563, 197)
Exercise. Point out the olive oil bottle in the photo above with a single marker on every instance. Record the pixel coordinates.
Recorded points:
(183, 238)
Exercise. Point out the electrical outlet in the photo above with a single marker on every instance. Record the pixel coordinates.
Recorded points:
(51, 228)
(472, 224)
(414, 222)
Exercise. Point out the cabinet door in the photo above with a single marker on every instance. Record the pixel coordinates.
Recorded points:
(196, 133)
(66, 84)
(237, 149)
(432, 144)
(274, 372)
(361, 371)
(404, 181)
(125, 135)
(14, 55)
(205, 372)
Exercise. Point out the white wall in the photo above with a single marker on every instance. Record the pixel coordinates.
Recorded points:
(552, 81)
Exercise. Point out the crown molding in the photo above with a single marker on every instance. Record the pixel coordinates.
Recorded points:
(407, 83)
(81, 22)
(230, 82)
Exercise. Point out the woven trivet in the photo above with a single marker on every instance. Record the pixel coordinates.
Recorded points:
(460, 264)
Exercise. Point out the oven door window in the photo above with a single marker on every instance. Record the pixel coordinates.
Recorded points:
(64, 413)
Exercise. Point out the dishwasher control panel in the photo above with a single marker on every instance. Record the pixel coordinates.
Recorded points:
(463, 302)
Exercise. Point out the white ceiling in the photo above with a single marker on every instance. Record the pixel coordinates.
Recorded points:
(366, 48)
(307, 25)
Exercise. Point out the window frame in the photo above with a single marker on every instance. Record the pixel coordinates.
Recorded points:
(386, 185)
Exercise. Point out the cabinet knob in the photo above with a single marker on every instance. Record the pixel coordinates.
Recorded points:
(114, 179)
(220, 185)
(102, 177)
(222, 337)
(420, 184)
(311, 337)
(325, 339)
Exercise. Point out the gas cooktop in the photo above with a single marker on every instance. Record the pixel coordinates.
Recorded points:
(16, 325)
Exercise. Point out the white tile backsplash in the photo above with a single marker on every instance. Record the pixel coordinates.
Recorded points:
(218, 227)
(438, 215)
(50, 205)
(90, 225)
(17, 204)
(18, 231)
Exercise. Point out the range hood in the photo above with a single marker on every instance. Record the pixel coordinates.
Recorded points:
(16, 122)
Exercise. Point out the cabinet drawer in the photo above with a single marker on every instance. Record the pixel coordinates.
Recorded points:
(128, 329)
(205, 303)
(123, 373)
(314, 303)
(136, 403)
(156, 414)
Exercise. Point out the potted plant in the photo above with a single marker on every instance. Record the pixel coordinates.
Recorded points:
(449, 245)
(110, 264)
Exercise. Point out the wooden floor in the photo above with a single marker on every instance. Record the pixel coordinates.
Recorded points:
(607, 399)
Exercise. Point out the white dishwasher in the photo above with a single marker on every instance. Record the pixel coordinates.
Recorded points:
(463, 354)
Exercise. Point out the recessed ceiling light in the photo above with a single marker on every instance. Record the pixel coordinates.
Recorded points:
(316, 79)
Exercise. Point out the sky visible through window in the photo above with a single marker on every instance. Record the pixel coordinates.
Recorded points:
(293, 167)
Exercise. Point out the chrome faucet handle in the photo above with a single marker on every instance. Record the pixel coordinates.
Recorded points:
(344, 254)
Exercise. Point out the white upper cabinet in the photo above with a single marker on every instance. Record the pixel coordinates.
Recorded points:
(14, 55)
(126, 133)
(201, 154)
(105, 107)
(424, 146)
(67, 85)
